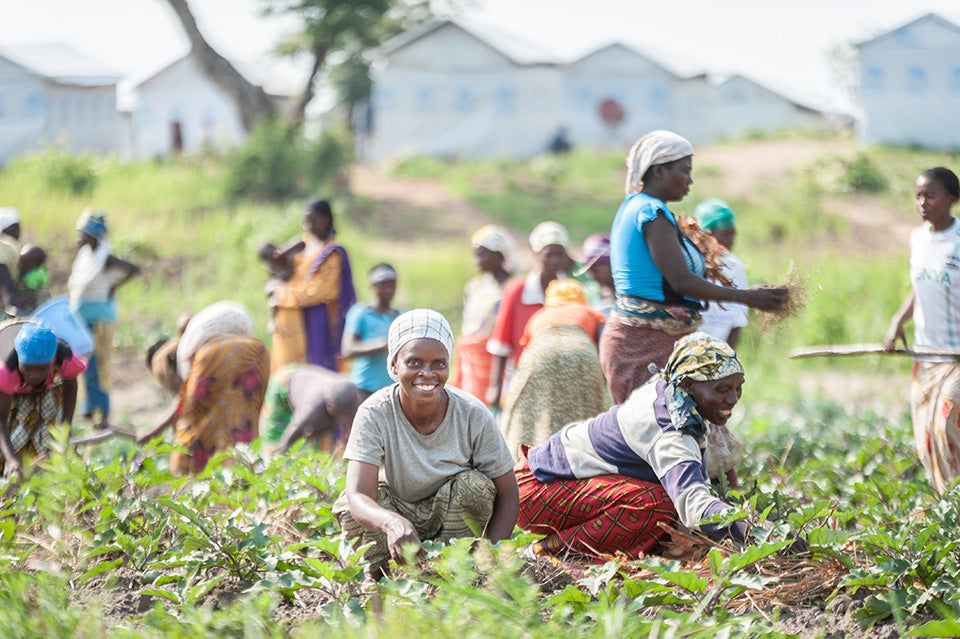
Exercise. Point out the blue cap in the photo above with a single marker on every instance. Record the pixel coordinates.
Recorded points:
(35, 344)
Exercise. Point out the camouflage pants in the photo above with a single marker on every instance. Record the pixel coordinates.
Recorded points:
(461, 508)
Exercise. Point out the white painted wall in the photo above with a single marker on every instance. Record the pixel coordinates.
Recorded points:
(910, 86)
(452, 95)
(182, 93)
(36, 112)
(642, 88)
(449, 94)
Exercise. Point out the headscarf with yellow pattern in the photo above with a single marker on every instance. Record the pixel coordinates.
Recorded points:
(701, 358)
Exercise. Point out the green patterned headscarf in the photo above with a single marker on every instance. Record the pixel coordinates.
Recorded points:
(701, 358)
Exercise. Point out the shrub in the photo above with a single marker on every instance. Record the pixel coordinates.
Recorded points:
(64, 172)
(267, 167)
(277, 163)
(861, 175)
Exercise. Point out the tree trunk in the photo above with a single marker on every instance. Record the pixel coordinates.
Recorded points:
(299, 109)
(251, 100)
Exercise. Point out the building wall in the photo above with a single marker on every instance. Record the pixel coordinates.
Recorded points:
(910, 86)
(36, 112)
(644, 90)
(82, 118)
(182, 94)
(450, 95)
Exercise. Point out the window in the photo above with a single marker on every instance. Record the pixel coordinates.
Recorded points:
(585, 100)
(506, 100)
(955, 79)
(385, 99)
(657, 98)
(873, 79)
(424, 99)
(33, 105)
(464, 99)
(916, 80)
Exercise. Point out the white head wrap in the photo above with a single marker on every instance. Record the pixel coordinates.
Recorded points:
(219, 317)
(497, 239)
(546, 233)
(656, 147)
(382, 273)
(417, 324)
(8, 217)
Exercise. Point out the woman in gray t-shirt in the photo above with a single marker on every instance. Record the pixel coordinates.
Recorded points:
(424, 461)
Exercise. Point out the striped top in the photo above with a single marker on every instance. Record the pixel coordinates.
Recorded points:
(638, 439)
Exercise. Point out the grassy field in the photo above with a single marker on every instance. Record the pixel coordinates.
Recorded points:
(113, 545)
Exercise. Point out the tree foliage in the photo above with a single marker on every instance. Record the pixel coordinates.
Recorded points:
(337, 33)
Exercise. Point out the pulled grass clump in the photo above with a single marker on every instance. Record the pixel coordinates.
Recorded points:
(796, 284)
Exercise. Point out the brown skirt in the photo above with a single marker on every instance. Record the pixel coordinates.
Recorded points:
(626, 352)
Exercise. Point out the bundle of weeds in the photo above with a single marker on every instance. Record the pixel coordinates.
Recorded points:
(708, 246)
(796, 284)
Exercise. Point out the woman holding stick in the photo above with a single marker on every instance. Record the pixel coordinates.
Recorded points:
(934, 306)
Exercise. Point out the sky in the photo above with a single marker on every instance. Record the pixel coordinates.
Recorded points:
(783, 44)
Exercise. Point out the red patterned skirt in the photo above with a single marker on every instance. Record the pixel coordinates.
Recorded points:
(599, 516)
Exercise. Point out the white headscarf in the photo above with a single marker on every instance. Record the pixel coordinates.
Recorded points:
(8, 217)
(546, 233)
(656, 147)
(219, 317)
(497, 239)
(417, 324)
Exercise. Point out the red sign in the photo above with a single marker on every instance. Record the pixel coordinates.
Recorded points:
(611, 112)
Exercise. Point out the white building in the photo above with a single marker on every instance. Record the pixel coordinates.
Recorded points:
(910, 84)
(53, 96)
(447, 89)
(180, 109)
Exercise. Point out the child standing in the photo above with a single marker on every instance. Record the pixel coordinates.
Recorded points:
(31, 285)
(365, 332)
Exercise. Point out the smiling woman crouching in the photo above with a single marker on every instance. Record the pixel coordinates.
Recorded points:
(601, 486)
(424, 461)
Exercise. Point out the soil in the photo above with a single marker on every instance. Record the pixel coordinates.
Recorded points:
(427, 207)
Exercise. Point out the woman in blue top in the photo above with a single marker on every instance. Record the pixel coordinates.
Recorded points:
(657, 271)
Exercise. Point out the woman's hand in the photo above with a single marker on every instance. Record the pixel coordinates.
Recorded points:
(400, 532)
(767, 299)
(12, 467)
(894, 333)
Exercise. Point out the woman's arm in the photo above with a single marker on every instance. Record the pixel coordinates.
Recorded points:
(661, 238)
(319, 287)
(361, 490)
(497, 367)
(895, 331)
(353, 346)
(11, 461)
(69, 401)
(169, 417)
(129, 269)
(506, 507)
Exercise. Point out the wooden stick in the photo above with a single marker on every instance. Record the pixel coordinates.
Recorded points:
(105, 435)
(845, 350)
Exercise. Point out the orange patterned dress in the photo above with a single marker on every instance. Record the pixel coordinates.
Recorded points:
(221, 399)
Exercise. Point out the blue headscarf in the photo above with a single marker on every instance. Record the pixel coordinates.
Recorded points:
(35, 344)
(93, 224)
